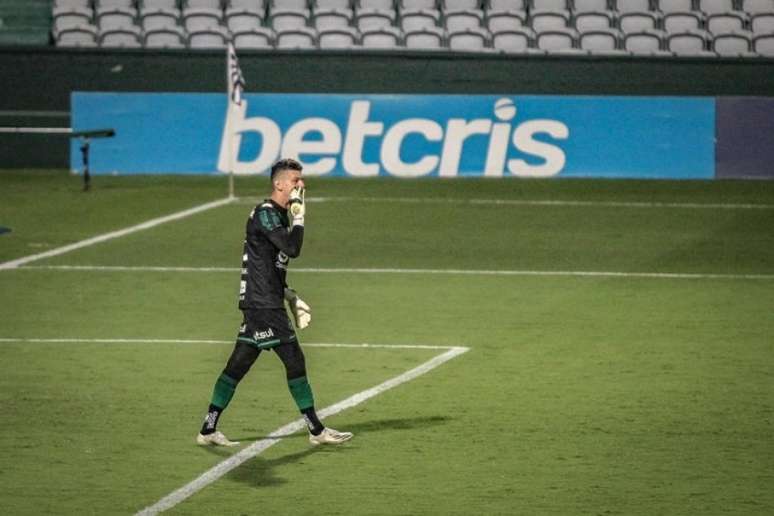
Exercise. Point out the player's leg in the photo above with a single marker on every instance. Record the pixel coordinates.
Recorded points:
(293, 359)
(240, 361)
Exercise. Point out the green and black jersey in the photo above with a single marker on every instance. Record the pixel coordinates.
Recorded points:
(269, 245)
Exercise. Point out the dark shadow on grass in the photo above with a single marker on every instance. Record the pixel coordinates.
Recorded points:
(259, 472)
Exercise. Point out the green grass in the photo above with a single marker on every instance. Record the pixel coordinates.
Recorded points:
(580, 395)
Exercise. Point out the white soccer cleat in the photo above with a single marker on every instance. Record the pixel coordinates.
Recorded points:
(330, 436)
(214, 439)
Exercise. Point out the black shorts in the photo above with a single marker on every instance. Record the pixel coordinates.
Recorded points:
(267, 328)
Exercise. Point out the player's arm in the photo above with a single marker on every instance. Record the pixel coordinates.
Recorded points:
(289, 242)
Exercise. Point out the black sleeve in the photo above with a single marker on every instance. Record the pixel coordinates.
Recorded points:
(288, 243)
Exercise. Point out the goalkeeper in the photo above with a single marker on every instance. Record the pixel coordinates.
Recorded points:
(274, 234)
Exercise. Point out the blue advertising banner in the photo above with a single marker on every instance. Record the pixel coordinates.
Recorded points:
(403, 135)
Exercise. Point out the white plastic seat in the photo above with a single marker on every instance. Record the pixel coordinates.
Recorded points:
(593, 20)
(159, 4)
(240, 19)
(681, 21)
(81, 36)
(298, 5)
(201, 19)
(375, 4)
(429, 38)
(675, 6)
(206, 4)
(513, 41)
(256, 38)
(325, 18)
(260, 5)
(463, 19)
(417, 4)
(550, 5)
(417, 19)
(120, 37)
(637, 21)
(103, 4)
(115, 17)
(337, 38)
(733, 44)
(600, 41)
(628, 6)
(582, 6)
(298, 38)
(159, 18)
(211, 37)
(541, 20)
(719, 23)
(380, 38)
(688, 43)
(72, 4)
(644, 42)
(332, 4)
(366, 19)
(69, 17)
(505, 20)
(288, 19)
(457, 5)
(506, 5)
(470, 39)
(762, 23)
(169, 37)
(553, 40)
(715, 6)
(757, 6)
(763, 45)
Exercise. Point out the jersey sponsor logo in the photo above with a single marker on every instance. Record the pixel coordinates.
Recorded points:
(242, 328)
(282, 261)
(263, 334)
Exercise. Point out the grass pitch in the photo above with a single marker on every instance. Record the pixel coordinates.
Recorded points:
(580, 395)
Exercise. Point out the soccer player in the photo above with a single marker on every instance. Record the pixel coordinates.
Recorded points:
(274, 234)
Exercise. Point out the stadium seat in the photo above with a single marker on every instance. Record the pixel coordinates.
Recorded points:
(600, 41)
(366, 19)
(331, 18)
(241, 19)
(169, 37)
(541, 20)
(505, 20)
(628, 6)
(298, 5)
(719, 23)
(460, 19)
(211, 37)
(593, 20)
(103, 4)
(637, 21)
(337, 38)
(644, 42)
(733, 44)
(375, 4)
(380, 38)
(159, 4)
(688, 43)
(69, 17)
(674, 6)
(582, 6)
(115, 18)
(429, 38)
(298, 38)
(506, 5)
(82, 36)
(206, 4)
(550, 5)
(246, 4)
(417, 19)
(762, 23)
(332, 4)
(288, 19)
(471, 39)
(763, 44)
(457, 5)
(513, 41)
(72, 4)
(256, 38)
(159, 18)
(680, 21)
(201, 19)
(417, 4)
(120, 37)
(757, 6)
(553, 40)
(715, 6)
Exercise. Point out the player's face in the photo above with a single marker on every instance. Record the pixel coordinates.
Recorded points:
(287, 181)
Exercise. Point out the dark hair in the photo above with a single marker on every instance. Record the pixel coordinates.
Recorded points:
(285, 164)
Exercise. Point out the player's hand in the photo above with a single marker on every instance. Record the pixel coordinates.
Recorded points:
(296, 206)
(301, 311)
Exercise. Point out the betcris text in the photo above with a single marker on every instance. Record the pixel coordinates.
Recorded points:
(356, 141)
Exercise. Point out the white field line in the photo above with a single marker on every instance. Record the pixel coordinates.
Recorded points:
(459, 272)
(13, 264)
(535, 202)
(258, 447)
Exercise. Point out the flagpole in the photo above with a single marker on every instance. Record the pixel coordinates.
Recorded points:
(234, 85)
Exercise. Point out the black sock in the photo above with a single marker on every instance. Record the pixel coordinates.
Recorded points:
(310, 416)
(211, 420)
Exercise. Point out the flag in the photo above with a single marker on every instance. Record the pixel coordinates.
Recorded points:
(236, 82)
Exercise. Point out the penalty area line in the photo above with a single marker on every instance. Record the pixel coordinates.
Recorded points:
(258, 447)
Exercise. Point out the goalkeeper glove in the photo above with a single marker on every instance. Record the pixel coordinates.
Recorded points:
(301, 311)
(296, 206)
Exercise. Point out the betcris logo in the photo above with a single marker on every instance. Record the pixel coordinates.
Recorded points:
(407, 136)
(408, 147)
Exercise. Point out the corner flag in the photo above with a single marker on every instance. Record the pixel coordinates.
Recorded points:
(235, 83)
